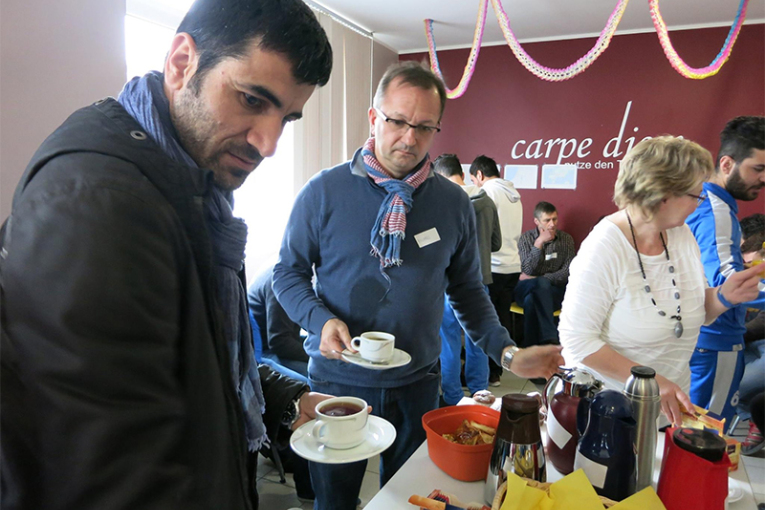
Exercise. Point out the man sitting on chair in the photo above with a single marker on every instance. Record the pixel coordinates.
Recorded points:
(545, 253)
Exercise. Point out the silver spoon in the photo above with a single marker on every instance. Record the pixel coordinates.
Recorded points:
(356, 356)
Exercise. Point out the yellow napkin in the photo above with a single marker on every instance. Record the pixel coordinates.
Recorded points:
(647, 499)
(572, 492)
(521, 497)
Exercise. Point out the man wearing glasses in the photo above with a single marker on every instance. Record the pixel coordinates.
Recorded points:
(717, 364)
(386, 237)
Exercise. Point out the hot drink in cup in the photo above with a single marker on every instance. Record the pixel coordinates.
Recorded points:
(341, 422)
(375, 345)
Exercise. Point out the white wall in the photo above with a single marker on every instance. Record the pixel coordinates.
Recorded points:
(55, 57)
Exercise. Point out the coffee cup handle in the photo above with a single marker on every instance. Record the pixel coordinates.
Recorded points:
(356, 342)
(316, 430)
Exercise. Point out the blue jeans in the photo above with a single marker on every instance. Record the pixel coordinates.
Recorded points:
(476, 361)
(289, 367)
(539, 299)
(337, 486)
(753, 381)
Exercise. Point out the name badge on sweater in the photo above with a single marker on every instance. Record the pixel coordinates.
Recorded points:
(427, 237)
(551, 256)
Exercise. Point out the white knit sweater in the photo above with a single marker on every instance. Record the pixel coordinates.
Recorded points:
(606, 303)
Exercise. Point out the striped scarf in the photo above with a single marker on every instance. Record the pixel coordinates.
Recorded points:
(390, 226)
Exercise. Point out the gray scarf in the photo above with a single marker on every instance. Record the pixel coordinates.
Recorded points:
(144, 98)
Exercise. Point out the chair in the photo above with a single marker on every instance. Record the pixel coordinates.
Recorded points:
(517, 313)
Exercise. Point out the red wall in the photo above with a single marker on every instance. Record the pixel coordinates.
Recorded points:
(505, 103)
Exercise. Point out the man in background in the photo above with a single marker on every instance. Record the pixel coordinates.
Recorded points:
(753, 380)
(281, 342)
(505, 263)
(489, 240)
(717, 363)
(128, 375)
(546, 254)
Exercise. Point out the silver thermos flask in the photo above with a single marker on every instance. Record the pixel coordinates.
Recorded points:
(643, 391)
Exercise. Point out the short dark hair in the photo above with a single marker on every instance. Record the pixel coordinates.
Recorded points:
(448, 165)
(753, 243)
(486, 165)
(752, 225)
(740, 137)
(226, 28)
(412, 73)
(543, 208)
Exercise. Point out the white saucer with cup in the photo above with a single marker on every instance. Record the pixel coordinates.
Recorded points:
(341, 422)
(375, 346)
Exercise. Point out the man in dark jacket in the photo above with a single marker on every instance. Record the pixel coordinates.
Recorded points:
(127, 373)
(489, 240)
(282, 345)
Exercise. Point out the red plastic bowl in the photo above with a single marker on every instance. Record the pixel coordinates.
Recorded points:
(466, 463)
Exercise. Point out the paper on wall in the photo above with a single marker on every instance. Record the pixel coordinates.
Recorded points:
(559, 176)
(522, 176)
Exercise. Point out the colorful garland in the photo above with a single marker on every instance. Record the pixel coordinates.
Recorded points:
(467, 74)
(587, 60)
(574, 69)
(678, 63)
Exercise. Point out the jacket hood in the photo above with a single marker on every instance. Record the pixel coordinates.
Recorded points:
(506, 187)
(472, 190)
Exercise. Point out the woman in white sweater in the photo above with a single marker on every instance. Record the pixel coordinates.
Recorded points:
(637, 294)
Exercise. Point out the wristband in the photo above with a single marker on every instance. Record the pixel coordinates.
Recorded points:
(725, 302)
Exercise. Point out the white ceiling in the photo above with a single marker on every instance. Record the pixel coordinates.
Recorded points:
(399, 23)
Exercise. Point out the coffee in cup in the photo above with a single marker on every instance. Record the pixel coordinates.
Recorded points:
(374, 345)
(341, 422)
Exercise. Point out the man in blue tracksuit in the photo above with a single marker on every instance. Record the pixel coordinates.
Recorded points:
(717, 364)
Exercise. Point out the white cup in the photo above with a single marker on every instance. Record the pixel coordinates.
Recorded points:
(341, 422)
(374, 345)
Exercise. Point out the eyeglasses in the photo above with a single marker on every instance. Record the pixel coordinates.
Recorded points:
(420, 130)
(700, 198)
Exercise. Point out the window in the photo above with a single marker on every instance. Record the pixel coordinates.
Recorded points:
(265, 200)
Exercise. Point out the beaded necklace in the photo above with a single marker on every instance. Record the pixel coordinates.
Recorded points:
(679, 324)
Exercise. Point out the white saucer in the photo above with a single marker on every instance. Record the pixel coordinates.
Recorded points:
(380, 435)
(399, 359)
(734, 494)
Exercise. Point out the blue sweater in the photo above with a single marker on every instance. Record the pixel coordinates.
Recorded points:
(716, 228)
(329, 230)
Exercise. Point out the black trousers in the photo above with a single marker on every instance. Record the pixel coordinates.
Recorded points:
(501, 292)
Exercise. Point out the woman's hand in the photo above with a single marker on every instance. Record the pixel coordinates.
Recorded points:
(671, 399)
(742, 286)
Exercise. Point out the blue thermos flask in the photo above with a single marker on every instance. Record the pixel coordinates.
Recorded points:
(606, 450)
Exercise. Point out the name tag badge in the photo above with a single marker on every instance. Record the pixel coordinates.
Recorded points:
(551, 256)
(427, 237)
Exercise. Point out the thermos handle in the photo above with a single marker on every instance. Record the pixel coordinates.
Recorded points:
(550, 386)
(582, 414)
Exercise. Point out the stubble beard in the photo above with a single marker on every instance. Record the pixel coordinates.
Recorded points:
(196, 128)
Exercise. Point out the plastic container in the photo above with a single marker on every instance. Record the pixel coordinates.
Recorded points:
(462, 462)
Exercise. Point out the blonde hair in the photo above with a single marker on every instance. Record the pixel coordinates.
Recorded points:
(660, 167)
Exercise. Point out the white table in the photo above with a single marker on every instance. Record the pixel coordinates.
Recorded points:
(420, 476)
